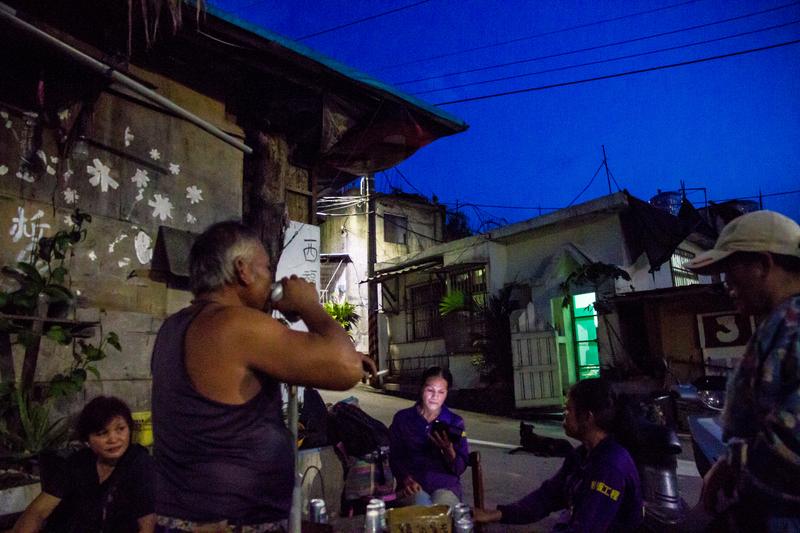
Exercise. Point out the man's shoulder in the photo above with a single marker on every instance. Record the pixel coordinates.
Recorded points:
(613, 454)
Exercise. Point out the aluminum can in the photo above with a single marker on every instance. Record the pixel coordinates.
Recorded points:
(464, 525)
(461, 510)
(372, 522)
(379, 506)
(317, 512)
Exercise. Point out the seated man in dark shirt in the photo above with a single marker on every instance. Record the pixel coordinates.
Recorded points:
(598, 484)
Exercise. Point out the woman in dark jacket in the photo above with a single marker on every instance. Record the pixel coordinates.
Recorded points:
(429, 449)
(105, 487)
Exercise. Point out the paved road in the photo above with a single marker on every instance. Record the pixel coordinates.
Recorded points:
(507, 477)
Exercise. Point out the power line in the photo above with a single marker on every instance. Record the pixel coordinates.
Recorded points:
(518, 39)
(359, 21)
(538, 208)
(618, 74)
(409, 183)
(587, 185)
(596, 47)
(609, 60)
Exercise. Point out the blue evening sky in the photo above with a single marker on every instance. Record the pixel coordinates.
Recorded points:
(731, 125)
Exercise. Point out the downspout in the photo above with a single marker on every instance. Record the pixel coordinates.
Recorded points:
(10, 14)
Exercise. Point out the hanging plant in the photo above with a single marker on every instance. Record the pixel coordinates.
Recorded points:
(344, 313)
(592, 273)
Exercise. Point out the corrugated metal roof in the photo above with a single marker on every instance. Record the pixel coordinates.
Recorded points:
(393, 272)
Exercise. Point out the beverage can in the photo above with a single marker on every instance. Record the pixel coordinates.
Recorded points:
(372, 522)
(464, 525)
(461, 510)
(317, 512)
(378, 505)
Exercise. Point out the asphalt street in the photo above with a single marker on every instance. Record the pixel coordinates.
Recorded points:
(507, 477)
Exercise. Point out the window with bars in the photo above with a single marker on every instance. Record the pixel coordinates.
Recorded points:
(472, 284)
(394, 228)
(424, 308)
(682, 276)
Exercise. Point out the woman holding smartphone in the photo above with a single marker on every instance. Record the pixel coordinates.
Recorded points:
(428, 448)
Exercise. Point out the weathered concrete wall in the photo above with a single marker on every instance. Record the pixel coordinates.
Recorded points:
(144, 169)
(348, 234)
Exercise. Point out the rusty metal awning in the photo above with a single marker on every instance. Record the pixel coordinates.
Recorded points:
(399, 270)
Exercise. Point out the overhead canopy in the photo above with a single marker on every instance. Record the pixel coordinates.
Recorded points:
(387, 273)
(336, 120)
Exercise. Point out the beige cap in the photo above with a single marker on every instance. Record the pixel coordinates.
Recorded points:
(759, 231)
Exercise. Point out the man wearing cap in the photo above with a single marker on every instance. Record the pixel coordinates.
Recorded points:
(759, 254)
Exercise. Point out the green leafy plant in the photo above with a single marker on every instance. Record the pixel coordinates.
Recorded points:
(35, 431)
(451, 302)
(594, 274)
(33, 310)
(342, 312)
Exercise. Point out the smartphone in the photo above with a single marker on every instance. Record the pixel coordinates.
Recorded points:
(453, 434)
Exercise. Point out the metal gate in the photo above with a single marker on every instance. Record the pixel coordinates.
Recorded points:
(537, 372)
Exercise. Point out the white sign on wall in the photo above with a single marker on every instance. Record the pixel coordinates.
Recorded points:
(300, 256)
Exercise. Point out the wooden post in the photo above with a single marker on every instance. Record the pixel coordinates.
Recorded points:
(264, 203)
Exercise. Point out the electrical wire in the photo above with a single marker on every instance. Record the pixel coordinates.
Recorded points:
(408, 182)
(543, 34)
(587, 185)
(609, 60)
(596, 47)
(619, 74)
(359, 21)
(535, 208)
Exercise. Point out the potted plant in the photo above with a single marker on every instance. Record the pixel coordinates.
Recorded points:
(35, 304)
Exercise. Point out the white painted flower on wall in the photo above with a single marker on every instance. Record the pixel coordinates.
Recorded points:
(101, 176)
(155, 155)
(142, 243)
(125, 261)
(174, 169)
(194, 194)
(140, 178)
(122, 237)
(71, 195)
(92, 255)
(3, 170)
(128, 137)
(190, 218)
(68, 221)
(162, 207)
(24, 175)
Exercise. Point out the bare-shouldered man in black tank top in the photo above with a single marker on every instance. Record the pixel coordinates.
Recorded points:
(222, 452)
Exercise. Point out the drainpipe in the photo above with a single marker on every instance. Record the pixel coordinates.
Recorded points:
(372, 257)
(9, 14)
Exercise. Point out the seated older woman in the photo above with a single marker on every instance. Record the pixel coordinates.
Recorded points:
(429, 449)
(107, 486)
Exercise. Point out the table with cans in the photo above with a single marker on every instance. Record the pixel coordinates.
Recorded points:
(374, 520)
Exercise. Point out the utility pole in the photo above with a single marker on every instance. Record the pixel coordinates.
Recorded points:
(605, 164)
(372, 258)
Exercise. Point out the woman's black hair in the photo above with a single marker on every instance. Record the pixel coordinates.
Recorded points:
(595, 395)
(438, 372)
(99, 412)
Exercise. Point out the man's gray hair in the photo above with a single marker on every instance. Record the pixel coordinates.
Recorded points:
(214, 253)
